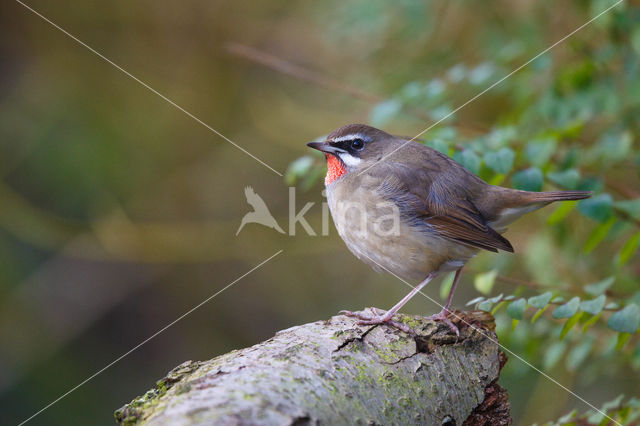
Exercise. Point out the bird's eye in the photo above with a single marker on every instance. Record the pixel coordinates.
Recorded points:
(357, 144)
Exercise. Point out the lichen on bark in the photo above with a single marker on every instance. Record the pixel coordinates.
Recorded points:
(334, 372)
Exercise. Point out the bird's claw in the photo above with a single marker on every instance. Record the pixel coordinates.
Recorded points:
(376, 319)
(442, 316)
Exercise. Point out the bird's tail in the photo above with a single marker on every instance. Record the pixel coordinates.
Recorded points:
(516, 203)
(550, 196)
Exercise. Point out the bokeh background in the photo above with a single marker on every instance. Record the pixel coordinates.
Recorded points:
(118, 212)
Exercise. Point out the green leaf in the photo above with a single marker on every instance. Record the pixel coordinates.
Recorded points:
(628, 249)
(614, 146)
(457, 73)
(633, 401)
(540, 301)
(528, 180)
(497, 298)
(567, 179)
(443, 112)
(630, 207)
(486, 305)
(447, 133)
(568, 309)
(439, 145)
(435, 88)
(595, 306)
(475, 301)
(539, 151)
(411, 91)
(297, 169)
(622, 340)
(469, 160)
(497, 307)
(566, 418)
(514, 324)
(635, 40)
(516, 308)
(600, 287)
(496, 179)
(598, 418)
(561, 212)
(484, 282)
(612, 404)
(500, 161)
(502, 136)
(553, 354)
(591, 183)
(571, 322)
(481, 73)
(538, 314)
(599, 208)
(446, 284)
(384, 112)
(578, 354)
(598, 234)
(626, 320)
(590, 322)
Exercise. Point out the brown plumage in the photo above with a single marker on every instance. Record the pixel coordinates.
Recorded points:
(446, 214)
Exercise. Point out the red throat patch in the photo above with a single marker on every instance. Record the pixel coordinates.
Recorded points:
(335, 168)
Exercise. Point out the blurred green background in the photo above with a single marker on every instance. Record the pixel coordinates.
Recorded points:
(118, 212)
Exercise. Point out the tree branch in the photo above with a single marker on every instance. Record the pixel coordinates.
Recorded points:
(337, 372)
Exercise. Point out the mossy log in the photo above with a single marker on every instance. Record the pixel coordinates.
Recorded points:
(338, 372)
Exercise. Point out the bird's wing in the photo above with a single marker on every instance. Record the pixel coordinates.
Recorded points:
(462, 232)
(440, 193)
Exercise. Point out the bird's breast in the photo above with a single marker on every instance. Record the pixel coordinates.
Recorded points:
(378, 233)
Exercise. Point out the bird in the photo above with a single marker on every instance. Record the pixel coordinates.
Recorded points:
(409, 210)
(260, 213)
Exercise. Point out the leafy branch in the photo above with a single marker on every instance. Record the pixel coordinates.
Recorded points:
(624, 320)
(624, 412)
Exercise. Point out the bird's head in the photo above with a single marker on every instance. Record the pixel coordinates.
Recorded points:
(352, 148)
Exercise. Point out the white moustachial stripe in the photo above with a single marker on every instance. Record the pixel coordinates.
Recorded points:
(349, 159)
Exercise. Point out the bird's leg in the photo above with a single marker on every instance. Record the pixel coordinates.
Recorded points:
(386, 318)
(442, 315)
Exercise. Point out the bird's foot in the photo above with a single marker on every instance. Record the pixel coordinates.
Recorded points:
(374, 319)
(442, 316)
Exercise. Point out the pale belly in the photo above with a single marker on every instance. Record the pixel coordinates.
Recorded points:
(373, 230)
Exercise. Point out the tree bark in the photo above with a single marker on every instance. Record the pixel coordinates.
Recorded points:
(338, 372)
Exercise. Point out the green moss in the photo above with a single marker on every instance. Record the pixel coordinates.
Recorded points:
(291, 352)
(133, 412)
(404, 402)
(183, 388)
(361, 374)
(333, 389)
(410, 321)
(389, 352)
(130, 420)
(161, 387)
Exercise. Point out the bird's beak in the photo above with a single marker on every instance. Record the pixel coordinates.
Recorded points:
(325, 147)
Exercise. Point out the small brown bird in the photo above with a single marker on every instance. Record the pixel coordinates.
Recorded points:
(408, 209)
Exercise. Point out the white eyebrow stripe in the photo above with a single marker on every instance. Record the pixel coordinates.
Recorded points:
(349, 137)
